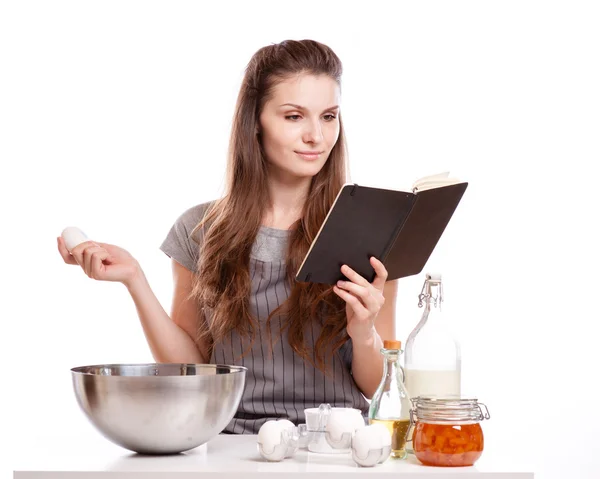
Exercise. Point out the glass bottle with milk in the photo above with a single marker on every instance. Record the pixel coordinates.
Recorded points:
(432, 358)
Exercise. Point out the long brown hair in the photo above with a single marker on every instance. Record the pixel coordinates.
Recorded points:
(230, 226)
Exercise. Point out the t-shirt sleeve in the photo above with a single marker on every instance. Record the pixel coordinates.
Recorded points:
(179, 243)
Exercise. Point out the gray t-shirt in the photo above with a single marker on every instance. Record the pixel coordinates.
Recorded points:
(279, 384)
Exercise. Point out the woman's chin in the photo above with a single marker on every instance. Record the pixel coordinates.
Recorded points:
(299, 172)
(308, 169)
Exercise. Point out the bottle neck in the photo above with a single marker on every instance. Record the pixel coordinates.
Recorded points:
(432, 310)
(391, 365)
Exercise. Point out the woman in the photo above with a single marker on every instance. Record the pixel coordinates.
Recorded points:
(236, 300)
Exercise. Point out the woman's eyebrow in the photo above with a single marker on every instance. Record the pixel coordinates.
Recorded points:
(302, 108)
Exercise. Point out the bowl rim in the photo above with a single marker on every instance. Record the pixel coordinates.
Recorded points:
(84, 370)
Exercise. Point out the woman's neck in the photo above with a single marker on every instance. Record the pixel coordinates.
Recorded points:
(286, 202)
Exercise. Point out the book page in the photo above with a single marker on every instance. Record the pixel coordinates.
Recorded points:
(434, 181)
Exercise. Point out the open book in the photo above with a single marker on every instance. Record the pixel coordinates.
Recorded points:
(399, 228)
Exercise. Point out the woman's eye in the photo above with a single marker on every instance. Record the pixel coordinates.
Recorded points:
(294, 117)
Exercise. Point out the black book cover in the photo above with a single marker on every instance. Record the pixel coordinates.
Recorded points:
(399, 228)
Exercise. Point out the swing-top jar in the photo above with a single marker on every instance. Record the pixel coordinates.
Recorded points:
(447, 430)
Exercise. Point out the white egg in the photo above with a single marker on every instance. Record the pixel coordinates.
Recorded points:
(366, 439)
(73, 236)
(269, 435)
(341, 424)
(337, 424)
(269, 441)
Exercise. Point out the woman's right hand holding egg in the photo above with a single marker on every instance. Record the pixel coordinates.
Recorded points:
(101, 261)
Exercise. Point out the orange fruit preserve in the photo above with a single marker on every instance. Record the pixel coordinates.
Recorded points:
(447, 444)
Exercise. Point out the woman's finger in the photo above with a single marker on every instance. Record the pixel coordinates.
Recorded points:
(78, 251)
(64, 253)
(381, 273)
(98, 269)
(88, 257)
(361, 292)
(354, 276)
(353, 301)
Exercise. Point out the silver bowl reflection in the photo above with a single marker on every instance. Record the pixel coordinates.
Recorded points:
(159, 408)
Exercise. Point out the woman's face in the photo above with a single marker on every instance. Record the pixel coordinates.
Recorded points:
(301, 117)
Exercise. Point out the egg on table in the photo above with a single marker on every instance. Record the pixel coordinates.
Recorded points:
(374, 437)
(340, 426)
(271, 443)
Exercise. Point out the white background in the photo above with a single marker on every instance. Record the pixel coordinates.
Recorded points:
(115, 117)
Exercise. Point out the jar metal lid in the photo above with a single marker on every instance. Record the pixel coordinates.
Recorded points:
(447, 410)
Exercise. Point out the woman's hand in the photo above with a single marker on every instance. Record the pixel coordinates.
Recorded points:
(363, 300)
(101, 261)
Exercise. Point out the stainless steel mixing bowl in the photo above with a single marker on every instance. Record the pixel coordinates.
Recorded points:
(159, 408)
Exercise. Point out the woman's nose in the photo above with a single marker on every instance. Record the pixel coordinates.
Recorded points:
(313, 132)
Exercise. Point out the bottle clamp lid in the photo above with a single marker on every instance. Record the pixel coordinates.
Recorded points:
(433, 282)
(436, 277)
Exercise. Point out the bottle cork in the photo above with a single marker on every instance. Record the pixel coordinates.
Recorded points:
(391, 344)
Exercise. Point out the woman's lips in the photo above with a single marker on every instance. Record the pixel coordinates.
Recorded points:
(308, 156)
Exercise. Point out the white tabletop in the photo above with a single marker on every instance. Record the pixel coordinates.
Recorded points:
(225, 457)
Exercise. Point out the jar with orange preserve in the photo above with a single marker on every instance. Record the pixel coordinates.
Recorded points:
(447, 431)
